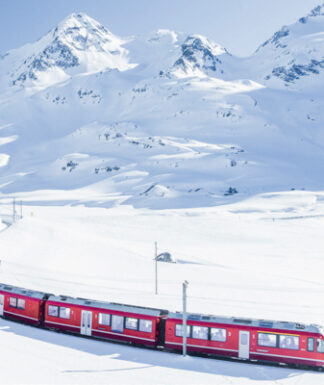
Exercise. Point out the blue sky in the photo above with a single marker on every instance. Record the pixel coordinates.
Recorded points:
(239, 25)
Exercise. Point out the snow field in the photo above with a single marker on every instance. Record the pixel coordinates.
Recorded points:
(258, 258)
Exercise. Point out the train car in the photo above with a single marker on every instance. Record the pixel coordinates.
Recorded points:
(239, 338)
(106, 320)
(22, 304)
(248, 339)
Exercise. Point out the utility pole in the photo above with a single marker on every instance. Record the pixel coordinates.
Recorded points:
(13, 210)
(20, 209)
(156, 272)
(184, 319)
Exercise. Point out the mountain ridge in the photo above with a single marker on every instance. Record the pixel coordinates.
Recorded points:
(164, 120)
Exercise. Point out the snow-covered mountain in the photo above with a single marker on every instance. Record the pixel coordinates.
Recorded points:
(165, 120)
(200, 56)
(295, 52)
(77, 45)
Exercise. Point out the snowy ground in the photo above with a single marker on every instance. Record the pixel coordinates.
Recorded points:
(32, 356)
(258, 258)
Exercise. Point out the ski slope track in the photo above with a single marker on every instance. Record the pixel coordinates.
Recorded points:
(161, 121)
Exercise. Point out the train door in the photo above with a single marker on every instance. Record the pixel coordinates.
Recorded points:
(244, 344)
(86, 322)
(1, 304)
(161, 330)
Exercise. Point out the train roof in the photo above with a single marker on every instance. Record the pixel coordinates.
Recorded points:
(22, 291)
(108, 305)
(284, 325)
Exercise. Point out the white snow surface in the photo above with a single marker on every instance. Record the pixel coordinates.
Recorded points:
(259, 258)
(164, 120)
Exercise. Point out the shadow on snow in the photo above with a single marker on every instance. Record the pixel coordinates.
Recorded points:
(148, 358)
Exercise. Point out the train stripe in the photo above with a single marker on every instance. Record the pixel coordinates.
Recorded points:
(294, 357)
(201, 346)
(21, 315)
(59, 323)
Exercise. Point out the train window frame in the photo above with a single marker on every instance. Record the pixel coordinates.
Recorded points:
(145, 329)
(217, 340)
(21, 304)
(65, 310)
(13, 302)
(268, 335)
(284, 337)
(104, 319)
(205, 338)
(128, 323)
(114, 327)
(50, 311)
(177, 334)
(318, 348)
(311, 341)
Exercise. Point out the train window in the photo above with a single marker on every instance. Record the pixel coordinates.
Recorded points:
(131, 323)
(289, 342)
(65, 312)
(145, 325)
(310, 344)
(179, 330)
(53, 311)
(267, 339)
(104, 319)
(13, 302)
(217, 334)
(320, 345)
(21, 304)
(1, 299)
(200, 332)
(244, 339)
(117, 323)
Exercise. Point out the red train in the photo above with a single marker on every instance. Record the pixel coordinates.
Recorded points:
(246, 339)
(22, 304)
(104, 319)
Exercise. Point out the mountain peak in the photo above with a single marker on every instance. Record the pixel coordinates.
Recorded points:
(78, 21)
(78, 17)
(279, 38)
(200, 54)
(317, 11)
(294, 52)
(79, 44)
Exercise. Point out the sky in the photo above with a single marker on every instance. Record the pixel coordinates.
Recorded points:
(239, 25)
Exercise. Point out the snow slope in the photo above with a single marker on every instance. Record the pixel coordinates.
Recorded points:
(164, 120)
(259, 258)
(295, 53)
